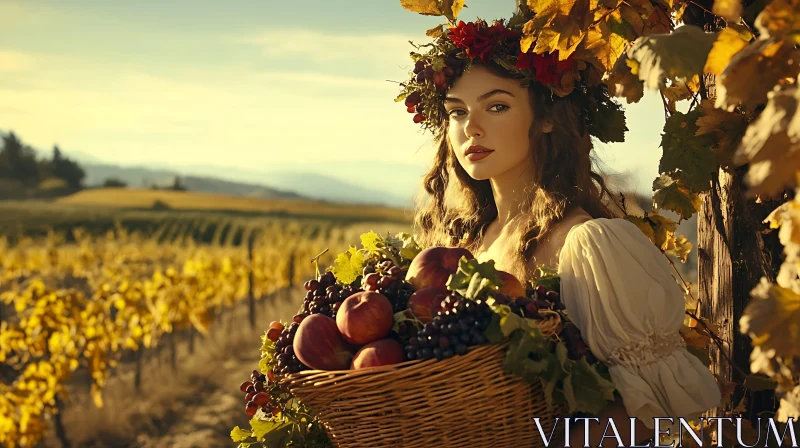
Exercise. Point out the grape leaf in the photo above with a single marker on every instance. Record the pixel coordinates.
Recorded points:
(659, 21)
(271, 433)
(700, 354)
(473, 278)
(238, 434)
(521, 347)
(771, 318)
(687, 152)
(663, 229)
(586, 390)
(371, 241)
(727, 129)
(408, 246)
(729, 10)
(623, 83)
(680, 54)
(504, 323)
(771, 62)
(451, 8)
(677, 91)
(780, 18)
(670, 195)
(643, 225)
(728, 43)
(348, 265)
(789, 406)
(771, 144)
(680, 247)
(758, 382)
(603, 45)
(435, 32)
(424, 7)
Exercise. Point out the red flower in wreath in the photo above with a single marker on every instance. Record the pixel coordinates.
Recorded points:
(478, 39)
(546, 68)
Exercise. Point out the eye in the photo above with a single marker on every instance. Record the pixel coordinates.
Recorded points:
(502, 106)
(499, 105)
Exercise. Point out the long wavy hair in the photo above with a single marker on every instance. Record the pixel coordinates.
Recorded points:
(455, 209)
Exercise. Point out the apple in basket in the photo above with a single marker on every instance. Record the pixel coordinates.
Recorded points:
(365, 317)
(383, 352)
(512, 287)
(432, 267)
(319, 345)
(425, 302)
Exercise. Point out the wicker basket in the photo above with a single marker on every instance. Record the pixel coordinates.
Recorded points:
(464, 401)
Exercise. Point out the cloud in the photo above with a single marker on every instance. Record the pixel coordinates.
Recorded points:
(14, 61)
(329, 47)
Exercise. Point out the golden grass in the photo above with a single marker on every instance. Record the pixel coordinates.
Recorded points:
(197, 406)
(188, 200)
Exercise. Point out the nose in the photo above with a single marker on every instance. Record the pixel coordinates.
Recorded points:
(473, 128)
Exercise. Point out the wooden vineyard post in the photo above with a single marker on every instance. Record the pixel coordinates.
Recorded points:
(250, 279)
(732, 257)
(58, 423)
(137, 376)
(192, 332)
(173, 356)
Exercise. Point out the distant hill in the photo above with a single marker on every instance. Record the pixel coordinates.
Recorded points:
(141, 177)
(272, 184)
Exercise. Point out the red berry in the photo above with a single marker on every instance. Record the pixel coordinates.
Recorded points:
(298, 318)
(276, 411)
(244, 386)
(411, 109)
(271, 376)
(261, 398)
(419, 118)
(251, 409)
(273, 334)
(249, 396)
(276, 324)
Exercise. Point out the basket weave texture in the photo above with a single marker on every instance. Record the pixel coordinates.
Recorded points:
(463, 401)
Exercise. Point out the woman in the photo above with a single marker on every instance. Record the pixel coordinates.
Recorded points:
(512, 181)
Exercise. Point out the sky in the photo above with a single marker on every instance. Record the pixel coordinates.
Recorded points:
(246, 85)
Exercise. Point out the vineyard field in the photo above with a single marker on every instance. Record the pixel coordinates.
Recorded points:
(88, 294)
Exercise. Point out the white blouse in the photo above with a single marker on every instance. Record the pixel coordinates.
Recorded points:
(619, 291)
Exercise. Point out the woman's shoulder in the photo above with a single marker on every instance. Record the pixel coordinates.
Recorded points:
(548, 251)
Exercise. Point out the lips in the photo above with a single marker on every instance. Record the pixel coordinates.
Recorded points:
(477, 152)
(477, 149)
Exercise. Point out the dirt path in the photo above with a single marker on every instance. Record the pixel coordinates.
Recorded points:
(195, 405)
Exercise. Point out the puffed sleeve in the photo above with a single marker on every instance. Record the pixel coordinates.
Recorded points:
(618, 290)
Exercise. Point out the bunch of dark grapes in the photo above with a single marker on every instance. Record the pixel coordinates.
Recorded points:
(257, 394)
(425, 74)
(453, 330)
(529, 308)
(325, 296)
(576, 347)
(283, 338)
(388, 279)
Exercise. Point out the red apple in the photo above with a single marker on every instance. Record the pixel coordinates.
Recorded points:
(432, 267)
(365, 317)
(382, 352)
(319, 345)
(424, 302)
(512, 287)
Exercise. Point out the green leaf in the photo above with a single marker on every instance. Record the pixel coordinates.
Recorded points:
(371, 241)
(473, 278)
(348, 265)
(557, 369)
(586, 390)
(700, 354)
(548, 277)
(688, 153)
(504, 323)
(408, 247)
(757, 382)
(522, 345)
(268, 431)
(680, 54)
(670, 195)
(238, 434)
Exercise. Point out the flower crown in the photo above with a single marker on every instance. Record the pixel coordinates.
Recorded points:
(456, 47)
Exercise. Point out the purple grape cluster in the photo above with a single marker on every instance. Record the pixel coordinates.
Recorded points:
(388, 279)
(325, 296)
(459, 325)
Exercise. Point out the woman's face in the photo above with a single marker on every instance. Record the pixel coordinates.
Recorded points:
(486, 110)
